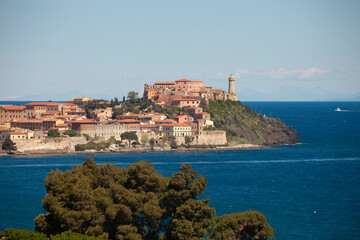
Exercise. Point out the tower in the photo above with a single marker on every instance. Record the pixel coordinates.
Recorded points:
(231, 85)
(231, 94)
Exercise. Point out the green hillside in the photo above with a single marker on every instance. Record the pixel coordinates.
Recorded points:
(244, 125)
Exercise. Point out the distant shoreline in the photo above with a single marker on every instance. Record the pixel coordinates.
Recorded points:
(136, 150)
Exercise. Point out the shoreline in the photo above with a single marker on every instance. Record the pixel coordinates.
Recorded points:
(136, 150)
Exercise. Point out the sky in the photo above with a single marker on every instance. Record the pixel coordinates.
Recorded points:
(279, 50)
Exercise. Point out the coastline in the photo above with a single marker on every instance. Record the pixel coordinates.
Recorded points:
(136, 150)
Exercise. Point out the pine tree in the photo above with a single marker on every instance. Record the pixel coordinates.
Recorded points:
(9, 146)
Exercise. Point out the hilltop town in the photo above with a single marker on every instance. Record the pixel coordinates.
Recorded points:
(170, 114)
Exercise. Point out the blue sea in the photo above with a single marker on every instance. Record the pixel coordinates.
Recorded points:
(307, 191)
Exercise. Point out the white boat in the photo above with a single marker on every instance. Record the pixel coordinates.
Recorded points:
(337, 110)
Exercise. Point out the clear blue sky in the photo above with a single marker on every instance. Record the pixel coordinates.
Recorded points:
(64, 49)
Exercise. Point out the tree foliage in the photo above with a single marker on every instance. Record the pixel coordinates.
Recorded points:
(53, 133)
(245, 225)
(152, 143)
(144, 139)
(71, 133)
(16, 234)
(8, 146)
(130, 136)
(132, 95)
(133, 202)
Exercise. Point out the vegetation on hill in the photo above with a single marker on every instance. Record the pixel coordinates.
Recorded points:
(244, 125)
(137, 202)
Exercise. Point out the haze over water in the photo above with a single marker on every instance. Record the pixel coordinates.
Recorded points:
(306, 191)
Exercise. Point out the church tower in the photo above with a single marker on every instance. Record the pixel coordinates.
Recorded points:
(231, 94)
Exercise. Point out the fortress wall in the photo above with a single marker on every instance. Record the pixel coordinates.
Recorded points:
(61, 143)
(211, 138)
(206, 138)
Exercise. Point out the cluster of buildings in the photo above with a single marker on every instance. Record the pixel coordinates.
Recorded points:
(35, 119)
(186, 93)
(156, 124)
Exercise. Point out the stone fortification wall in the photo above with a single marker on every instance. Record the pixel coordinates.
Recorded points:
(211, 138)
(49, 144)
(206, 138)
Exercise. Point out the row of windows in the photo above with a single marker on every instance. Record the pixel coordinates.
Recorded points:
(182, 134)
(183, 128)
(110, 128)
(12, 116)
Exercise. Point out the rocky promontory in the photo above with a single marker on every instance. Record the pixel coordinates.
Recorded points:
(243, 125)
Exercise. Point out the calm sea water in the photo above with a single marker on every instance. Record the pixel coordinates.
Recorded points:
(306, 191)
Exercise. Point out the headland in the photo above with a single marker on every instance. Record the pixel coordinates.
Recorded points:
(181, 115)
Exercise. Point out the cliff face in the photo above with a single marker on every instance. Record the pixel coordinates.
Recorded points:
(243, 125)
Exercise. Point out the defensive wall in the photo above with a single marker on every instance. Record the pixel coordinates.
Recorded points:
(217, 138)
(49, 144)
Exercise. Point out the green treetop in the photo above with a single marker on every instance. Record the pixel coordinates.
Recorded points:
(9, 146)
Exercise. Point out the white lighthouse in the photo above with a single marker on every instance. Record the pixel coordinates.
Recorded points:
(231, 94)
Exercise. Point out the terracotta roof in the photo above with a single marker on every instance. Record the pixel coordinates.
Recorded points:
(4, 129)
(149, 126)
(183, 80)
(17, 133)
(178, 124)
(42, 103)
(84, 121)
(179, 116)
(29, 120)
(12, 108)
(185, 99)
(70, 104)
(163, 121)
(201, 113)
(164, 82)
(129, 121)
(146, 116)
(187, 80)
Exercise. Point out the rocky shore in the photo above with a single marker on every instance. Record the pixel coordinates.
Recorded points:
(135, 150)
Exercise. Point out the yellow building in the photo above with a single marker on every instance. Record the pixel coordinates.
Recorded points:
(81, 101)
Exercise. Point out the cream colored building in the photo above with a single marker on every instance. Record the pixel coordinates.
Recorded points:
(81, 101)
(105, 131)
(176, 129)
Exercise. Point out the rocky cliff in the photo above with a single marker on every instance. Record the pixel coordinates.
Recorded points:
(244, 125)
